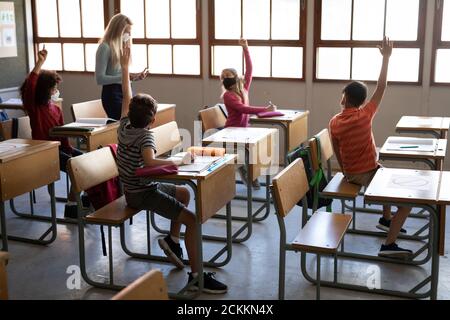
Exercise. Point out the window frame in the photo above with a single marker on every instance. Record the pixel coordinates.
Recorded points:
(63, 40)
(437, 42)
(301, 43)
(172, 42)
(319, 43)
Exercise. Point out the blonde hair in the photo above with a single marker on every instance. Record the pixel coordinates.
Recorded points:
(113, 36)
(239, 87)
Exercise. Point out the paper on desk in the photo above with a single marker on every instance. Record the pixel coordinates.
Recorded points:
(17, 102)
(95, 121)
(7, 147)
(402, 144)
(200, 163)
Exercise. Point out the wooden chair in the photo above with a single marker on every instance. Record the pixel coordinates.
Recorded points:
(23, 129)
(151, 286)
(167, 138)
(87, 171)
(212, 118)
(321, 235)
(3, 278)
(338, 187)
(89, 109)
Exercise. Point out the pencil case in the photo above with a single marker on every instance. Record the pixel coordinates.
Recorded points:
(207, 151)
(270, 114)
(157, 171)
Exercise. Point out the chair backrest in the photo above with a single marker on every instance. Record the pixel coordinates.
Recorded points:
(167, 137)
(3, 283)
(89, 109)
(212, 118)
(289, 187)
(5, 130)
(149, 287)
(92, 169)
(23, 129)
(326, 148)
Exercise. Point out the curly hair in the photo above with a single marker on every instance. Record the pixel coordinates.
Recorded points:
(47, 80)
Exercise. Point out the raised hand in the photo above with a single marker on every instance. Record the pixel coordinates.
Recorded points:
(386, 47)
(125, 57)
(42, 55)
(243, 42)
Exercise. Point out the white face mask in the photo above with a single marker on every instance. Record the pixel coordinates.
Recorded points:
(55, 96)
(126, 37)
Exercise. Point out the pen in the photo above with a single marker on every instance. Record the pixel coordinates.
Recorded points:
(409, 147)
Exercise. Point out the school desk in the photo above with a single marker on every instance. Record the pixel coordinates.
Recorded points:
(213, 189)
(436, 126)
(255, 150)
(17, 104)
(294, 125)
(23, 170)
(433, 159)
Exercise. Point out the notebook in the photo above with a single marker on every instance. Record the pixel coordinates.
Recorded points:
(200, 163)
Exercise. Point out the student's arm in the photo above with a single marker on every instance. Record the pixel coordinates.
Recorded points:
(337, 152)
(42, 57)
(126, 83)
(101, 64)
(233, 102)
(248, 64)
(29, 91)
(150, 159)
(386, 51)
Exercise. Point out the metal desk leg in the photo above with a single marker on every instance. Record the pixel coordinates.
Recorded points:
(3, 227)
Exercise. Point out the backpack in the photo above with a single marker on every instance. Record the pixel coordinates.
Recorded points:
(317, 180)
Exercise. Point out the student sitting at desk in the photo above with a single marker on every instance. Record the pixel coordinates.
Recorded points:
(39, 93)
(136, 150)
(236, 98)
(354, 145)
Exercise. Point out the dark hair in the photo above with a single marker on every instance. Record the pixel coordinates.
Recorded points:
(355, 94)
(142, 110)
(47, 80)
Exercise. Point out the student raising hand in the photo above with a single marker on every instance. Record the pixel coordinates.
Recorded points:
(386, 47)
(125, 57)
(42, 55)
(243, 42)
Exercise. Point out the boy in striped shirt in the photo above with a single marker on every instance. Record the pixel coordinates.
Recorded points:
(355, 148)
(137, 149)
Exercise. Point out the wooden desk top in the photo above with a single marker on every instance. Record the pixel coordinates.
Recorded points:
(248, 136)
(96, 131)
(165, 106)
(423, 123)
(34, 147)
(289, 116)
(439, 153)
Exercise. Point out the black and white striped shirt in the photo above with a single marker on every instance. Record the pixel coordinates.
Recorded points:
(129, 156)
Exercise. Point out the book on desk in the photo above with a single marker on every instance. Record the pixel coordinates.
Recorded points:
(85, 125)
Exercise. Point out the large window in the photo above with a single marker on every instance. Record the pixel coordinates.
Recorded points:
(349, 31)
(441, 73)
(166, 35)
(275, 29)
(70, 31)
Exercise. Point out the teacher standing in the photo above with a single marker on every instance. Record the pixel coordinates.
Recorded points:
(108, 72)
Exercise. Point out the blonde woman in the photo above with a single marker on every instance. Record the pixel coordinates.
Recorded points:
(108, 72)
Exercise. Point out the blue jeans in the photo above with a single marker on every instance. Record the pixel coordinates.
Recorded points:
(112, 100)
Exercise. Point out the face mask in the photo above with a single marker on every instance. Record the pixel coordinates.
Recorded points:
(228, 83)
(126, 37)
(55, 96)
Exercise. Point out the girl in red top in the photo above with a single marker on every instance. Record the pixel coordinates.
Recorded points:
(39, 91)
(236, 93)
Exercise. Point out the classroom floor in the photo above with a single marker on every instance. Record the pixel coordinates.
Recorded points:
(37, 272)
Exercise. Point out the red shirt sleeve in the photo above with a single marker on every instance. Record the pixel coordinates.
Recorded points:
(233, 102)
(248, 69)
(370, 109)
(29, 93)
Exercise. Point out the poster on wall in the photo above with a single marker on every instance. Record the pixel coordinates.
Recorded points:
(8, 42)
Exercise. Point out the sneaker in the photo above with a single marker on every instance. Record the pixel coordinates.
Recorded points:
(243, 175)
(395, 252)
(256, 185)
(71, 211)
(85, 201)
(385, 225)
(173, 251)
(211, 285)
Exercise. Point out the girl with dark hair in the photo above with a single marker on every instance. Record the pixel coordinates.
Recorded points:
(39, 92)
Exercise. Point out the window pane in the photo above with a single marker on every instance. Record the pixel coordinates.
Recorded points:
(91, 51)
(257, 19)
(287, 62)
(366, 63)
(227, 57)
(404, 65)
(73, 56)
(160, 59)
(157, 13)
(261, 61)
(139, 58)
(402, 19)
(69, 18)
(368, 19)
(443, 66)
(54, 60)
(227, 15)
(186, 60)
(134, 9)
(286, 20)
(47, 18)
(336, 19)
(446, 21)
(93, 18)
(333, 63)
(184, 19)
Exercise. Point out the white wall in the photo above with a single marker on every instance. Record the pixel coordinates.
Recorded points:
(322, 99)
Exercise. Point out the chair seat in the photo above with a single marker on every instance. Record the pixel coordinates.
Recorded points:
(323, 233)
(339, 187)
(115, 213)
